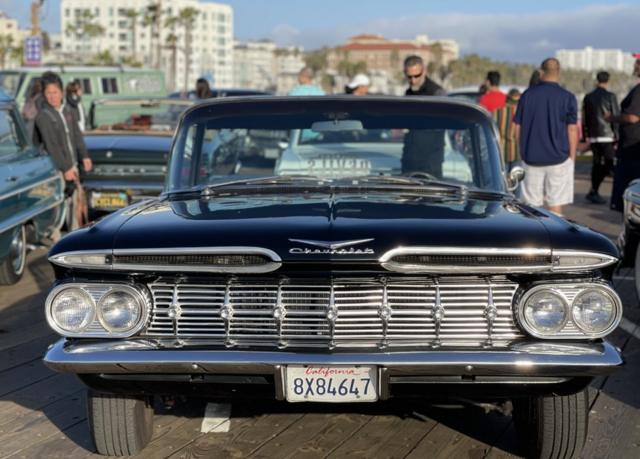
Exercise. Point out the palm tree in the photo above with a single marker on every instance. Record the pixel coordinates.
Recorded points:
(187, 19)
(171, 43)
(84, 28)
(151, 19)
(133, 15)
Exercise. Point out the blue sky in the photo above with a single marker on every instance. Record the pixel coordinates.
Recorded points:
(516, 30)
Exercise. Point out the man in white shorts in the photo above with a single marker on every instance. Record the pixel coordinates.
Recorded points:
(548, 135)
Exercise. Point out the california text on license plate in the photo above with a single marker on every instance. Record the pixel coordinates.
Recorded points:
(101, 200)
(337, 384)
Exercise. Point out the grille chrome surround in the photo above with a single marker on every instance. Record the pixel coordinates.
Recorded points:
(344, 312)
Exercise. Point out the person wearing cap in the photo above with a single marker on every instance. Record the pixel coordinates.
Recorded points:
(628, 152)
(359, 85)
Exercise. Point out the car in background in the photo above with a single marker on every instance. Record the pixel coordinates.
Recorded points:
(629, 239)
(97, 82)
(128, 141)
(31, 193)
(336, 276)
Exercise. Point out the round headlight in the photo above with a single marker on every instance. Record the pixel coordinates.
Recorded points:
(594, 311)
(120, 310)
(72, 310)
(545, 312)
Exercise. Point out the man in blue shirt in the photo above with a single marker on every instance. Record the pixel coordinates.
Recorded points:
(305, 86)
(546, 126)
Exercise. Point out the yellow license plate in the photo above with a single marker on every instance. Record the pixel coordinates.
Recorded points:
(109, 200)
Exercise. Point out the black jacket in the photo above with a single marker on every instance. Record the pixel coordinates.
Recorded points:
(49, 135)
(595, 105)
(423, 149)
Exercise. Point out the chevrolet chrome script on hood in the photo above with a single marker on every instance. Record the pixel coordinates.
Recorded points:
(331, 247)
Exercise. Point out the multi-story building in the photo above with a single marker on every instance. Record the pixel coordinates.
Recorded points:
(381, 54)
(208, 42)
(591, 59)
(12, 39)
(261, 65)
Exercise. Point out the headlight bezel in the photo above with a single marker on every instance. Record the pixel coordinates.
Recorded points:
(522, 316)
(137, 295)
(571, 329)
(95, 291)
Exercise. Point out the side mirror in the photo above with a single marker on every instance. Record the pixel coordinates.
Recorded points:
(515, 176)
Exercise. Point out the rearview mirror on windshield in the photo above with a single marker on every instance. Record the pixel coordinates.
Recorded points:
(337, 125)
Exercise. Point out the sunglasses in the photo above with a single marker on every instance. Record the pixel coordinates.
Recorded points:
(414, 77)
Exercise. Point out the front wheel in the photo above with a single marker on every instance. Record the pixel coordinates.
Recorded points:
(12, 266)
(121, 425)
(552, 426)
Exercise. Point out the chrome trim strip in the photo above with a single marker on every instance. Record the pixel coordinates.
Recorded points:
(526, 359)
(231, 250)
(25, 218)
(28, 187)
(555, 255)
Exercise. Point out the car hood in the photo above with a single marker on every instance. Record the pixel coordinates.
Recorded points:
(292, 225)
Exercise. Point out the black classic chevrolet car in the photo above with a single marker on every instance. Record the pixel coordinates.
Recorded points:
(378, 255)
(129, 141)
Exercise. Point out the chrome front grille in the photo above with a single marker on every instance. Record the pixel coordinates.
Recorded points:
(336, 313)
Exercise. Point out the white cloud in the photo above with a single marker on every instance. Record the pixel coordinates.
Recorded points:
(516, 37)
(285, 34)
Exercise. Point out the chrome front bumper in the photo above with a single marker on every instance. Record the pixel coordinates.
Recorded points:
(530, 360)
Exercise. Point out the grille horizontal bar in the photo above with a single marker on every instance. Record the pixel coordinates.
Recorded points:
(338, 312)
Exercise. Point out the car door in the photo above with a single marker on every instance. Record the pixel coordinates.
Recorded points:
(35, 188)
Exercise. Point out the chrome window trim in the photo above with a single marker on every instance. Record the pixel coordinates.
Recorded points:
(584, 286)
(28, 187)
(275, 263)
(142, 322)
(25, 218)
(555, 255)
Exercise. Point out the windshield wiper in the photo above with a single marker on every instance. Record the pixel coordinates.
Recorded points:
(417, 182)
(276, 180)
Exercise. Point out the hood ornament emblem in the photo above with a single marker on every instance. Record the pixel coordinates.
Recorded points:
(331, 247)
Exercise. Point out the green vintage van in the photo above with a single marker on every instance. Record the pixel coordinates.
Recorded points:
(97, 82)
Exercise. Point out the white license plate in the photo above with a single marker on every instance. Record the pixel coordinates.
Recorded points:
(101, 200)
(335, 384)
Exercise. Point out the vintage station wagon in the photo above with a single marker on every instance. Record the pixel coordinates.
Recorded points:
(385, 259)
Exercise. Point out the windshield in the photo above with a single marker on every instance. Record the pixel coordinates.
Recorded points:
(160, 115)
(334, 146)
(10, 82)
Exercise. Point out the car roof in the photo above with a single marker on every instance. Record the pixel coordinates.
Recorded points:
(418, 105)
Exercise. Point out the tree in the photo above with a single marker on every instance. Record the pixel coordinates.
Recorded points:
(103, 58)
(85, 28)
(316, 60)
(187, 19)
(133, 15)
(171, 43)
(152, 19)
(351, 69)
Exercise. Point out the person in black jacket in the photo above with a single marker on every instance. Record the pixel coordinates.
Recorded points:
(423, 149)
(600, 133)
(58, 134)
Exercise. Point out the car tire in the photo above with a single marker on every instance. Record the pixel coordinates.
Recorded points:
(552, 426)
(121, 425)
(13, 265)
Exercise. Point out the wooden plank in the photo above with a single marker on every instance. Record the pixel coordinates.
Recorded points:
(313, 435)
(23, 376)
(23, 335)
(39, 425)
(386, 436)
(26, 352)
(37, 396)
(249, 431)
(72, 443)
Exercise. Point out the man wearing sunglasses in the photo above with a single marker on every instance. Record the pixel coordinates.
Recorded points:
(423, 150)
(419, 83)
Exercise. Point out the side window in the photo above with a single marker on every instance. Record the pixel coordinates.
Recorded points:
(86, 85)
(109, 86)
(10, 139)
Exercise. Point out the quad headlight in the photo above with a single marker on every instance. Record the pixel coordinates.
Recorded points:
(97, 310)
(570, 311)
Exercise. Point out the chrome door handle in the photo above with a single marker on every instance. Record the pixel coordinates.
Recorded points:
(12, 179)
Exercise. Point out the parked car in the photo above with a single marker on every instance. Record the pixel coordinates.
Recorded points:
(129, 142)
(220, 92)
(31, 193)
(337, 279)
(629, 238)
